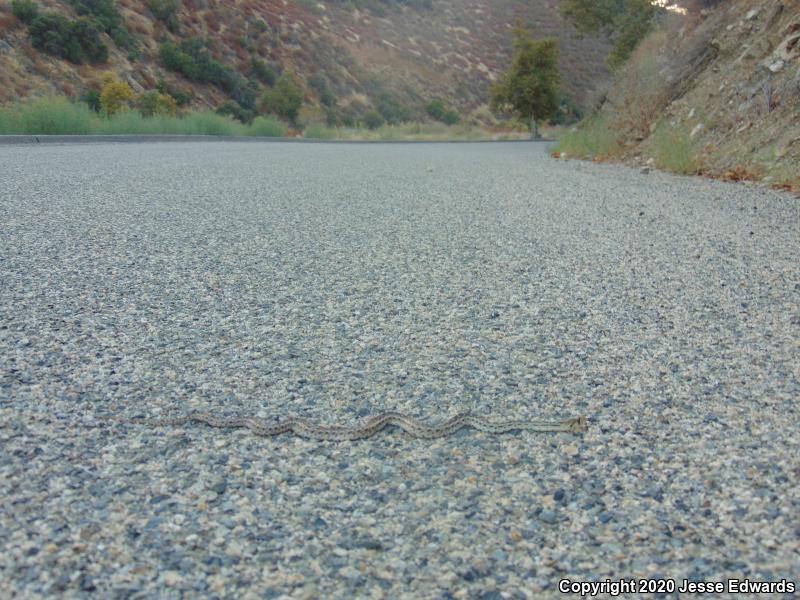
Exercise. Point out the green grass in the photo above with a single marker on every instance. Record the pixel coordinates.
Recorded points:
(45, 116)
(674, 150)
(414, 131)
(59, 116)
(594, 138)
(267, 126)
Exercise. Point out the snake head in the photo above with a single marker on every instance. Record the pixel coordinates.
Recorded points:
(577, 425)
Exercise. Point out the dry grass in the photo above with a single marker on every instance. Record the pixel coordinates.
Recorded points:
(595, 138)
(674, 150)
(421, 132)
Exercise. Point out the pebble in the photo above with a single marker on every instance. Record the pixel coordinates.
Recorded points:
(151, 279)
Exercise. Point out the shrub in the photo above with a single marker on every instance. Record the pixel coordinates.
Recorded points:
(209, 123)
(92, 100)
(233, 109)
(75, 41)
(319, 83)
(155, 103)
(262, 71)
(594, 138)
(105, 14)
(165, 11)
(319, 131)
(195, 62)
(182, 97)
(267, 127)
(373, 119)
(390, 109)
(47, 116)
(625, 22)
(284, 99)
(25, 10)
(435, 109)
(450, 117)
(674, 150)
(87, 36)
(204, 123)
(568, 112)
(115, 95)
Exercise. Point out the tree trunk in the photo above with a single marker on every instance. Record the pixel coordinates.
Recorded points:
(534, 129)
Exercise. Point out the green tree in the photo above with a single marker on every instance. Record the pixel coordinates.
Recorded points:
(530, 87)
(285, 99)
(624, 22)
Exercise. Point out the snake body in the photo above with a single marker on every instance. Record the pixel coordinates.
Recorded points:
(369, 427)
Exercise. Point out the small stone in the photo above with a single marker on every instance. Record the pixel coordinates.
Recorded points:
(548, 516)
(173, 578)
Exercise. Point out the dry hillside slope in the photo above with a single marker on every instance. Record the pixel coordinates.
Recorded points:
(451, 51)
(717, 92)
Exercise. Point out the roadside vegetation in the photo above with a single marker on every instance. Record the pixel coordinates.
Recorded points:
(529, 89)
(676, 102)
(415, 131)
(121, 112)
(60, 116)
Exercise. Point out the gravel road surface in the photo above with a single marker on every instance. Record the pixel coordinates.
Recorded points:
(337, 281)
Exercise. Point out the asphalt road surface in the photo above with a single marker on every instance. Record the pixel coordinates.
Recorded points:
(337, 281)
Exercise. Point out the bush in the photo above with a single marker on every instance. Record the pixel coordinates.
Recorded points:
(373, 120)
(319, 83)
(267, 127)
(450, 117)
(88, 37)
(262, 71)
(47, 116)
(165, 11)
(435, 109)
(115, 95)
(105, 14)
(195, 62)
(285, 99)
(390, 109)
(76, 41)
(594, 138)
(674, 150)
(25, 10)
(92, 100)
(318, 131)
(155, 103)
(233, 109)
(568, 112)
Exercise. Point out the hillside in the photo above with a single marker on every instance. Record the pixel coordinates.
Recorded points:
(715, 92)
(405, 53)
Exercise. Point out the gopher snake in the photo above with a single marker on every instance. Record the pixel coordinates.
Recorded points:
(367, 428)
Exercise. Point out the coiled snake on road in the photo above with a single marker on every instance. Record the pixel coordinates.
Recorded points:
(369, 427)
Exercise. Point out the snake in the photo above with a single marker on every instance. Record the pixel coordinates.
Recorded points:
(367, 428)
